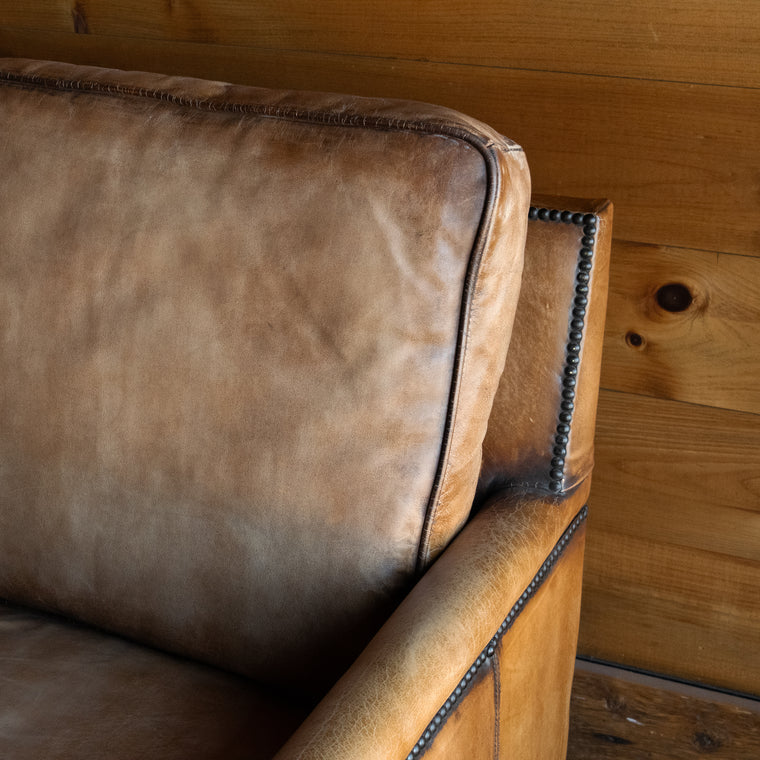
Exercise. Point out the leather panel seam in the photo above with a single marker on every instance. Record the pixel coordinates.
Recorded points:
(490, 652)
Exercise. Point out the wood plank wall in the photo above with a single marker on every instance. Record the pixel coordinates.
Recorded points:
(655, 105)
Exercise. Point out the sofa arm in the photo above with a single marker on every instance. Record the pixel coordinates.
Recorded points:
(459, 668)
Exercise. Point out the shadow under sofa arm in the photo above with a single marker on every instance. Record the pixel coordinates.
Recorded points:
(459, 670)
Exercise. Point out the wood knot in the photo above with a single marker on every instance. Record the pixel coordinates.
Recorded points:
(706, 743)
(674, 297)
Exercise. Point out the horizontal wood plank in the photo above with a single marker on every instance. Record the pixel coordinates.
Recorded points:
(680, 40)
(680, 161)
(690, 613)
(626, 716)
(673, 552)
(680, 474)
(701, 344)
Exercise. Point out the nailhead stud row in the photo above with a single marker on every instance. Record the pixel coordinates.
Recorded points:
(440, 717)
(589, 223)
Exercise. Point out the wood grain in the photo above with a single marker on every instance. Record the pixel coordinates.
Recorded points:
(624, 716)
(679, 474)
(708, 353)
(680, 161)
(673, 549)
(715, 43)
(690, 613)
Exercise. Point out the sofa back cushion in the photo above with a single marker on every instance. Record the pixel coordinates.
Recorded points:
(249, 342)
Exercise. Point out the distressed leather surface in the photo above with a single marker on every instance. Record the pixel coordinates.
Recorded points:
(249, 342)
(521, 710)
(386, 702)
(68, 692)
(382, 706)
(518, 448)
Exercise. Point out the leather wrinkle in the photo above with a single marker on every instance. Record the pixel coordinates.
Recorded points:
(462, 326)
(485, 147)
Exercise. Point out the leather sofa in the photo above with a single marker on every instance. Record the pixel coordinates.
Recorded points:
(296, 425)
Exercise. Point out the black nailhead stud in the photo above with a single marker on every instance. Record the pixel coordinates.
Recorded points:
(589, 219)
(586, 253)
(563, 430)
(589, 229)
(554, 215)
(543, 214)
(555, 486)
(571, 371)
(558, 462)
(533, 213)
(555, 474)
(587, 241)
(577, 324)
(577, 218)
(567, 217)
(585, 266)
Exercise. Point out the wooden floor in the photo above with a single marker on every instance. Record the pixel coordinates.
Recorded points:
(629, 716)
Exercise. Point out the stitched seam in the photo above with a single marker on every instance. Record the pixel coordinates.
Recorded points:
(576, 331)
(481, 142)
(496, 704)
(460, 360)
(490, 650)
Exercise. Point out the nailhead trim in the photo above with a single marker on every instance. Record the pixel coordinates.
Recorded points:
(589, 223)
(488, 652)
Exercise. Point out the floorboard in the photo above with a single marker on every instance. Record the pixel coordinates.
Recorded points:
(629, 716)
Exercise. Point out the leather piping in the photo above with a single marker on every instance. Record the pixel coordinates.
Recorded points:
(489, 653)
(486, 147)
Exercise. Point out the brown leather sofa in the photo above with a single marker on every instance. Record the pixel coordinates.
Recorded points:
(274, 482)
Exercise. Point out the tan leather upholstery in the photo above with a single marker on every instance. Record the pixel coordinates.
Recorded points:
(250, 346)
(69, 691)
(502, 605)
(250, 343)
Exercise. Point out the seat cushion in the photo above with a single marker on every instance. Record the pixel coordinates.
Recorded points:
(72, 692)
(249, 342)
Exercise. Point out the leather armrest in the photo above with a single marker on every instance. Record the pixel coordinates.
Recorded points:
(453, 632)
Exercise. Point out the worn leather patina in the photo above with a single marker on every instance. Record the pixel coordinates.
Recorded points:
(260, 431)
